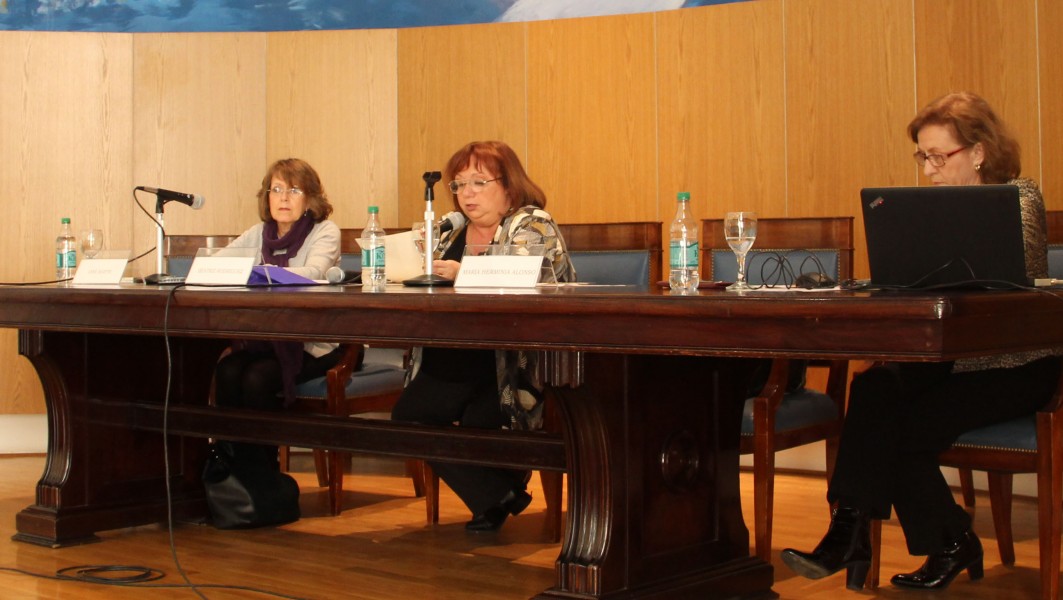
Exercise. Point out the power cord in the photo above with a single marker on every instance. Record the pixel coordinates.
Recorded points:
(139, 576)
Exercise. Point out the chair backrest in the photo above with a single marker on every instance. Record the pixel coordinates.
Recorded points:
(615, 253)
(809, 244)
(1055, 243)
(180, 250)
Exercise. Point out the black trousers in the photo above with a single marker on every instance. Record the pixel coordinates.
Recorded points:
(901, 416)
(252, 379)
(433, 400)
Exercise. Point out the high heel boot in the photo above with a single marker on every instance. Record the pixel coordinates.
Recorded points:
(847, 545)
(940, 569)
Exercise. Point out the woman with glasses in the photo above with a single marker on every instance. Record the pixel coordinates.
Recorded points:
(295, 233)
(901, 416)
(485, 388)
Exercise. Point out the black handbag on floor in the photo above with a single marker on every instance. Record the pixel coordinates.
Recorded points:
(243, 493)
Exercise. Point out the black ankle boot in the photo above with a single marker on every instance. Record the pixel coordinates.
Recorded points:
(492, 519)
(847, 545)
(940, 569)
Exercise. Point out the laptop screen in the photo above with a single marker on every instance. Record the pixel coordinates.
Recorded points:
(945, 236)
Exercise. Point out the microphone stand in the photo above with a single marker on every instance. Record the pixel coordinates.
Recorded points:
(429, 278)
(160, 277)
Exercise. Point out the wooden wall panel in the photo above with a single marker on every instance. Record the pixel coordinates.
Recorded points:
(849, 96)
(1049, 28)
(457, 85)
(592, 117)
(199, 116)
(65, 104)
(721, 109)
(331, 100)
(988, 47)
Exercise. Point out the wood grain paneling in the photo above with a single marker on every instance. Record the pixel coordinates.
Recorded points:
(65, 121)
(849, 95)
(199, 119)
(331, 100)
(1050, 99)
(592, 117)
(457, 85)
(785, 106)
(988, 47)
(721, 109)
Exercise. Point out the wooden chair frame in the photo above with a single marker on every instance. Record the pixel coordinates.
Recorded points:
(811, 233)
(603, 237)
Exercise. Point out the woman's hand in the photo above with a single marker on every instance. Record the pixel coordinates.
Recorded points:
(446, 268)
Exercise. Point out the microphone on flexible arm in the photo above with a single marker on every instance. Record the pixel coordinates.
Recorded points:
(194, 200)
(451, 220)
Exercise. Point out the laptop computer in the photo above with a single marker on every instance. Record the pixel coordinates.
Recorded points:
(944, 236)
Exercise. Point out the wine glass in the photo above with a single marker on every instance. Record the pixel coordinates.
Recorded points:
(740, 229)
(418, 236)
(91, 242)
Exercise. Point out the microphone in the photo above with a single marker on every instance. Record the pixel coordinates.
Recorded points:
(338, 276)
(194, 200)
(451, 220)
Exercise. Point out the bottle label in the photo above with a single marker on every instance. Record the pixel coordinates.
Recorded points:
(66, 259)
(683, 258)
(373, 257)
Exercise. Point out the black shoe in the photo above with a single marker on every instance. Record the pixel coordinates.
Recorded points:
(847, 545)
(940, 569)
(513, 503)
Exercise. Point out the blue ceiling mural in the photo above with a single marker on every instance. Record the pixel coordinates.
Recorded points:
(296, 15)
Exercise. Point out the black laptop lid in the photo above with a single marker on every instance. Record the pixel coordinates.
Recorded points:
(944, 236)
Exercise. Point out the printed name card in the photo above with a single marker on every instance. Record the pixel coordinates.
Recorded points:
(222, 266)
(504, 271)
(106, 268)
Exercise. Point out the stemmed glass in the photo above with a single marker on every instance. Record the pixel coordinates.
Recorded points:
(91, 242)
(740, 229)
(418, 237)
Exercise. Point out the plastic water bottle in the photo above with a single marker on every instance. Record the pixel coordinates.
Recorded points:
(372, 243)
(683, 248)
(65, 252)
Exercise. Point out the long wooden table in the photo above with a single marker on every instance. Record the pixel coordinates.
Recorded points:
(649, 386)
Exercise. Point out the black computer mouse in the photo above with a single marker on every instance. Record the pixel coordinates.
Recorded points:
(811, 281)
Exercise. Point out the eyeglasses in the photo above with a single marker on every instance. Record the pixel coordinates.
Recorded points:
(936, 160)
(476, 185)
(279, 191)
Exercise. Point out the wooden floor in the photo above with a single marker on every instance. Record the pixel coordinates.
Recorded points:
(380, 549)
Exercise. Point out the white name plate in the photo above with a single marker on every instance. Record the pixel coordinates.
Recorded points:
(107, 269)
(220, 270)
(506, 271)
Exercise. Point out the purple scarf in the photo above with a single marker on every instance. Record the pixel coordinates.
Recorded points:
(291, 242)
(289, 354)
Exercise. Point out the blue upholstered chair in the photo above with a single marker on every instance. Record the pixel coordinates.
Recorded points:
(776, 419)
(366, 380)
(602, 253)
(1031, 444)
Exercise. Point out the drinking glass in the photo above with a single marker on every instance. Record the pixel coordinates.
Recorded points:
(740, 229)
(91, 242)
